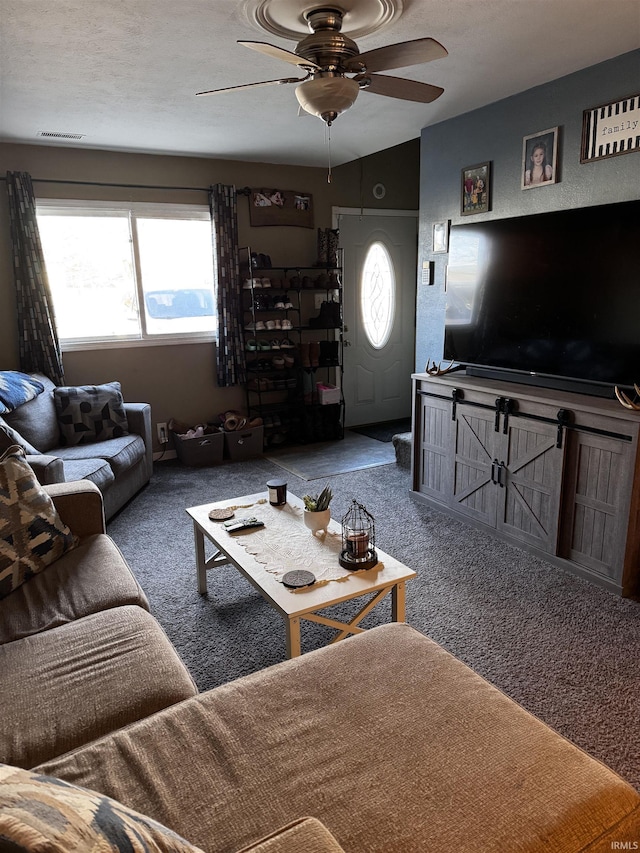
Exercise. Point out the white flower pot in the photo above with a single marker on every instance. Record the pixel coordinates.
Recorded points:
(317, 521)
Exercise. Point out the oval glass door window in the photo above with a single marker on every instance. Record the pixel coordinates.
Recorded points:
(378, 295)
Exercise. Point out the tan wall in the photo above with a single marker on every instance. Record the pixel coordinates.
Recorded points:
(179, 380)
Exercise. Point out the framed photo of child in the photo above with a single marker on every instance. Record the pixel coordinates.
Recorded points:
(540, 159)
(474, 191)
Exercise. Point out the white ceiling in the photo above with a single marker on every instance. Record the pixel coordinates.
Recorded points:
(125, 72)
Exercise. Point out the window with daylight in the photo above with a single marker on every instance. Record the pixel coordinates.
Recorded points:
(378, 295)
(129, 273)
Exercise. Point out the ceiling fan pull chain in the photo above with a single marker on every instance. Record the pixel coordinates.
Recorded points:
(329, 151)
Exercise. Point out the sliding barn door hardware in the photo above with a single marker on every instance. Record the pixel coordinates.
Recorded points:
(509, 408)
(497, 470)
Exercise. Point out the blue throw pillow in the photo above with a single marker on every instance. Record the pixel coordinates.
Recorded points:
(17, 388)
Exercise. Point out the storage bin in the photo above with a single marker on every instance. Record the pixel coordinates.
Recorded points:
(200, 452)
(244, 443)
(327, 394)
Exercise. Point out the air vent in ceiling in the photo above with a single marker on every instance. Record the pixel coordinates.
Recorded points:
(53, 134)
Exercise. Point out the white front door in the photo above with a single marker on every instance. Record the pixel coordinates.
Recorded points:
(379, 293)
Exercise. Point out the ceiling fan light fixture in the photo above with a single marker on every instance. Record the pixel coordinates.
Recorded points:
(327, 97)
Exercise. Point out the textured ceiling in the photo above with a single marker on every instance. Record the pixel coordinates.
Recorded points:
(124, 72)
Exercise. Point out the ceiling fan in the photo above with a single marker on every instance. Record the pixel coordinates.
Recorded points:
(328, 57)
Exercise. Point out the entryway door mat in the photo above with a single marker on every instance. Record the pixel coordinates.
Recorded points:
(386, 430)
(324, 459)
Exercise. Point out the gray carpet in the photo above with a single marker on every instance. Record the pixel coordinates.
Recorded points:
(565, 649)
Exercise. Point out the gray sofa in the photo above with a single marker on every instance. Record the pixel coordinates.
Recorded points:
(119, 467)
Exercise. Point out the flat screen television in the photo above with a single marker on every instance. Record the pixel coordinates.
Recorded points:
(551, 298)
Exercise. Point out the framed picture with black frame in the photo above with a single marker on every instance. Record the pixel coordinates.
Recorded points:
(475, 193)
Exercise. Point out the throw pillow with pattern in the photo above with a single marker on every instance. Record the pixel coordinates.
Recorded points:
(16, 389)
(40, 813)
(90, 413)
(32, 534)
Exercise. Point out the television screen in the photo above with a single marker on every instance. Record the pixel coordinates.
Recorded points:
(550, 295)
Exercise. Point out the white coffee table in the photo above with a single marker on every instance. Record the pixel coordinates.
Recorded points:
(294, 605)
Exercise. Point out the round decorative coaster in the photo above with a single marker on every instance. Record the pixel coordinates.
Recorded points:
(221, 514)
(298, 578)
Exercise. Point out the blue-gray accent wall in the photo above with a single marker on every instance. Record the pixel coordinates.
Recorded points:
(494, 133)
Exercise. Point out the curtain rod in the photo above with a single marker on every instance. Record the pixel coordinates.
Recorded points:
(244, 191)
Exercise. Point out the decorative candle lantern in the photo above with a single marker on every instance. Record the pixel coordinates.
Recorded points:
(358, 539)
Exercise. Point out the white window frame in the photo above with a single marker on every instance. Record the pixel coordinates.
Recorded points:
(158, 210)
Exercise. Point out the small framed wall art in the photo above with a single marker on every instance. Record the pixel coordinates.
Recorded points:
(540, 159)
(280, 207)
(611, 129)
(441, 236)
(474, 189)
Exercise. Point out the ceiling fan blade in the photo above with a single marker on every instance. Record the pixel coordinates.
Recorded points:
(398, 87)
(278, 53)
(253, 85)
(399, 55)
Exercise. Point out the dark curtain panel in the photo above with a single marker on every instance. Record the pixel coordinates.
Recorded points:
(39, 347)
(231, 366)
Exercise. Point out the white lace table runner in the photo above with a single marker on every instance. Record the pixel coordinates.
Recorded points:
(285, 544)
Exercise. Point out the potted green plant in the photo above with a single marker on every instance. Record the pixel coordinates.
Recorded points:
(317, 513)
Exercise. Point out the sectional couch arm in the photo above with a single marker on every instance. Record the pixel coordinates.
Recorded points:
(48, 469)
(79, 504)
(139, 420)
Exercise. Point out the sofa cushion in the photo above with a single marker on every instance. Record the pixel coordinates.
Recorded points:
(36, 420)
(306, 834)
(9, 437)
(38, 813)
(90, 413)
(32, 534)
(16, 389)
(92, 577)
(392, 743)
(120, 658)
(95, 469)
(121, 453)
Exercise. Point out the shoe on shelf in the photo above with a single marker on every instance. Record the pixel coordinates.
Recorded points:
(250, 327)
(270, 324)
(266, 282)
(278, 362)
(278, 323)
(264, 346)
(247, 284)
(289, 361)
(287, 325)
(279, 306)
(274, 344)
(285, 343)
(314, 353)
(260, 327)
(252, 345)
(287, 305)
